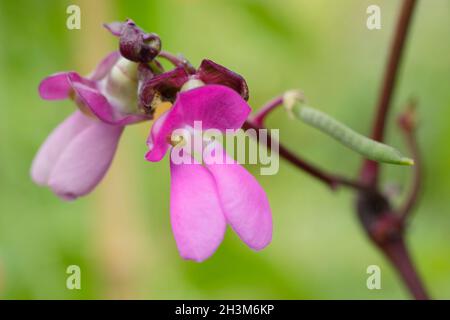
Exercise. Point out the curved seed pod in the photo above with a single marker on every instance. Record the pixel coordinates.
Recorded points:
(368, 148)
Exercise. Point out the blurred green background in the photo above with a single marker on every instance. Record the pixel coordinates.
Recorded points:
(120, 235)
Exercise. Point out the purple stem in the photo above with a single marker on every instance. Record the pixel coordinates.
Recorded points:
(177, 61)
(397, 253)
(265, 110)
(370, 171)
(413, 196)
(331, 180)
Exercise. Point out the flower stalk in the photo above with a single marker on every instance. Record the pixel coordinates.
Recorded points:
(370, 170)
(394, 246)
(333, 181)
(383, 225)
(407, 123)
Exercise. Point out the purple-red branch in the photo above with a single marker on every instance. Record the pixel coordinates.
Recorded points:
(398, 254)
(394, 248)
(331, 180)
(408, 126)
(265, 110)
(370, 171)
(413, 196)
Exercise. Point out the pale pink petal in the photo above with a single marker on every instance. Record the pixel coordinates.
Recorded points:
(100, 106)
(243, 200)
(59, 85)
(55, 144)
(84, 161)
(55, 87)
(197, 220)
(215, 106)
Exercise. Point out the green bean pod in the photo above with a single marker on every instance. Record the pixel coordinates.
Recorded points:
(368, 148)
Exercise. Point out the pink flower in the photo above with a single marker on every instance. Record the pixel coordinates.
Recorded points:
(205, 198)
(76, 156)
(125, 88)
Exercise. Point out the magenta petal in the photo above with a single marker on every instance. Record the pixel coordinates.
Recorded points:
(244, 202)
(55, 144)
(55, 87)
(215, 106)
(197, 220)
(105, 66)
(100, 106)
(157, 151)
(85, 160)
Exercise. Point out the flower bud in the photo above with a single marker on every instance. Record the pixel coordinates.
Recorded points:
(135, 44)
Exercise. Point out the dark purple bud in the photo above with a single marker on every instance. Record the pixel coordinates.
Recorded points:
(135, 44)
(213, 73)
(138, 46)
(163, 87)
